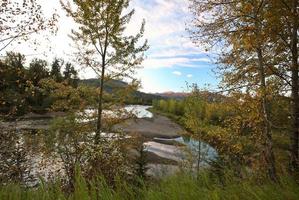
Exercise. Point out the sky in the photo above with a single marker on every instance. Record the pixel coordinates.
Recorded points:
(172, 60)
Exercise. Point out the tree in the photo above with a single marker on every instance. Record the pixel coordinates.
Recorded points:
(56, 69)
(14, 86)
(240, 25)
(20, 19)
(70, 75)
(295, 79)
(295, 82)
(69, 140)
(283, 16)
(38, 70)
(102, 41)
(15, 166)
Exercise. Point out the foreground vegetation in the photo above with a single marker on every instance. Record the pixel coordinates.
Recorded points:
(180, 186)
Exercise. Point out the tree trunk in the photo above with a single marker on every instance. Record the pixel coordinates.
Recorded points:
(199, 156)
(100, 108)
(269, 154)
(295, 90)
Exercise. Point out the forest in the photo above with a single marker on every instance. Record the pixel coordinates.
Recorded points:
(64, 136)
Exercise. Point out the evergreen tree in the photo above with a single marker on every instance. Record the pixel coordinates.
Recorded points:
(70, 75)
(56, 70)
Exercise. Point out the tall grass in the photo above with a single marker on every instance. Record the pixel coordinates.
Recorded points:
(178, 187)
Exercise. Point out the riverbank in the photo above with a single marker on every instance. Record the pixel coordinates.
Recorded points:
(31, 121)
(149, 127)
(157, 126)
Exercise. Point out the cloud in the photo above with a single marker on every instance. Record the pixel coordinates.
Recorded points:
(189, 76)
(165, 30)
(166, 62)
(201, 60)
(177, 73)
(170, 62)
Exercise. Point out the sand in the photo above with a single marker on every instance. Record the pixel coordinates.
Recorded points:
(158, 126)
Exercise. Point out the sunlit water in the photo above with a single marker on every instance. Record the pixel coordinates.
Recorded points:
(186, 148)
(139, 111)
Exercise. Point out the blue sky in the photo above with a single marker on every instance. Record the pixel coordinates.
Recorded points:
(172, 59)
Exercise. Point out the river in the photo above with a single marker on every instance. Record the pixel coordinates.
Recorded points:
(174, 147)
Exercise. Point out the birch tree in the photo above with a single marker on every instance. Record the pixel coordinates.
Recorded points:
(103, 43)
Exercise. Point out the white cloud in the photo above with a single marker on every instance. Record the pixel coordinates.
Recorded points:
(164, 62)
(189, 76)
(169, 62)
(177, 73)
(201, 60)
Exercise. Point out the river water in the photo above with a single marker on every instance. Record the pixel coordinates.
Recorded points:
(180, 149)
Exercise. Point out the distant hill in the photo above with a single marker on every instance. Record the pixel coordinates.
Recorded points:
(209, 96)
(173, 95)
(109, 86)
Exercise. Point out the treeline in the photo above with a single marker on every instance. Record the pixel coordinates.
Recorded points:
(172, 106)
(213, 106)
(22, 87)
(210, 112)
(39, 86)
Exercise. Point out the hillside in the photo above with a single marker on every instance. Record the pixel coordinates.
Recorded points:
(110, 86)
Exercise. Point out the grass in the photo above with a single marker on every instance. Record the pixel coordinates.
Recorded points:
(185, 187)
(178, 187)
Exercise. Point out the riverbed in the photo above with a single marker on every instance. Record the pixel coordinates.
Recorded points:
(167, 149)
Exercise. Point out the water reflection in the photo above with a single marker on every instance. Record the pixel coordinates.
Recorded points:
(181, 148)
(139, 111)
